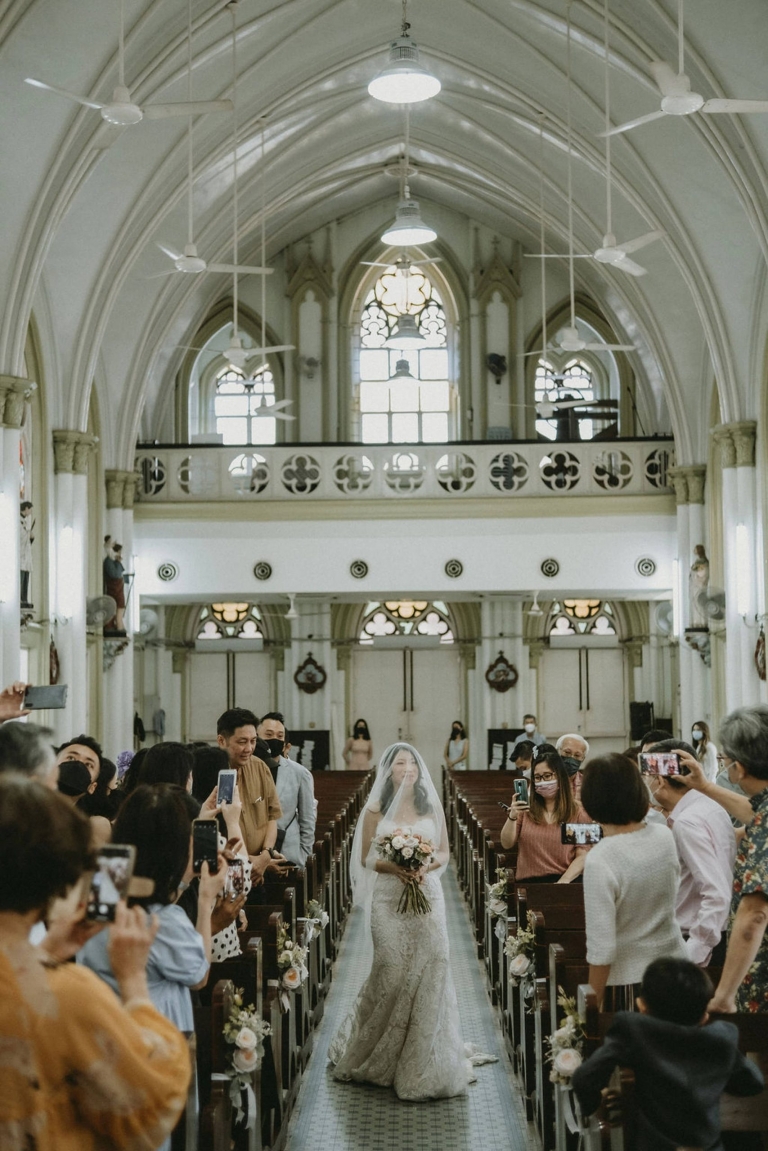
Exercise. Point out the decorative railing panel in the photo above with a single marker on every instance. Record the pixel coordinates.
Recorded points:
(424, 471)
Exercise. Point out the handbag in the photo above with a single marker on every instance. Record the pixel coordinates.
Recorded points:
(282, 830)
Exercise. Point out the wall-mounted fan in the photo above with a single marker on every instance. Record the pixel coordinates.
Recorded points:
(710, 603)
(99, 609)
(664, 614)
(148, 622)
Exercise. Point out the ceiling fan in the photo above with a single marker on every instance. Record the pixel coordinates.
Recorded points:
(611, 252)
(269, 410)
(548, 408)
(121, 110)
(402, 263)
(189, 261)
(677, 99)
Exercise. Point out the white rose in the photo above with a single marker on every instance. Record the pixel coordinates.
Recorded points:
(499, 907)
(563, 1034)
(246, 1039)
(325, 919)
(411, 841)
(398, 841)
(292, 979)
(519, 966)
(407, 852)
(566, 1061)
(245, 1060)
(286, 959)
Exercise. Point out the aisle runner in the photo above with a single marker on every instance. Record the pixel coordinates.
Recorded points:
(351, 1117)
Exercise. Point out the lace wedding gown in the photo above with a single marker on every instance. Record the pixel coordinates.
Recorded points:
(403, 1029)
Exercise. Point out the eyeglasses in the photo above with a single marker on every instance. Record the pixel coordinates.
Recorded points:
(544, 778)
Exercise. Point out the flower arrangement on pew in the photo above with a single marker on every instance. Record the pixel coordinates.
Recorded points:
(566, 1044)
(519, 951)
(411, 852)
(244, 1031)
(498, 894)
(316, 921)
(291, 964)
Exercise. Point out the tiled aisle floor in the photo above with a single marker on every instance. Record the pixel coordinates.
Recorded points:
(350, 1117)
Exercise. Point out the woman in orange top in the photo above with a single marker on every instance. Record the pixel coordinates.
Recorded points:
(81, 1069)
(535, 826)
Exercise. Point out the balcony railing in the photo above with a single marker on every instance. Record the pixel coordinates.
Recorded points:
(386, 471)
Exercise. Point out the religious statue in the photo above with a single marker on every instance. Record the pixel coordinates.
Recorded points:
(27, 538)
(115, 580)
(698, 582)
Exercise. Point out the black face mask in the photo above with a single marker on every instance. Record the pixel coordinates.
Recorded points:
(275, 747)
(571, 764)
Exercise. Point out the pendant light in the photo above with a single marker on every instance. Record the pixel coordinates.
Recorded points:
(405, 334)
(404, 80)
(403, 371)
(408, 229)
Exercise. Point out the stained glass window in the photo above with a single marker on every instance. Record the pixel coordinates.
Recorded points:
(240, 403)
(574, 382)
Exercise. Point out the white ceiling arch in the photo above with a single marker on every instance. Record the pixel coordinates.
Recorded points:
(85, 217)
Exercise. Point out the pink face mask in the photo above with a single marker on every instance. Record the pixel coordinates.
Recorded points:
(548, 788)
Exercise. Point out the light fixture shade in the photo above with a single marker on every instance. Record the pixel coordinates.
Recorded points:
(409, 228)
(405, 334)
(403, 371)
(404, 80)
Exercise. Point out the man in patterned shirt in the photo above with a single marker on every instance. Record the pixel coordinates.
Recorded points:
(744, 739)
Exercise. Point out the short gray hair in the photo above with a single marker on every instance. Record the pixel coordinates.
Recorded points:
(744, 737)
(26, 748)
(573, 735)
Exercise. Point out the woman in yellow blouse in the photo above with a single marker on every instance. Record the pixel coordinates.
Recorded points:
(81, 1068)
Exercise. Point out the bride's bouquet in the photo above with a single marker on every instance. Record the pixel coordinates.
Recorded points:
(410, 851)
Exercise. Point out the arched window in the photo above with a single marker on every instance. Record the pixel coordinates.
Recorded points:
(581, 617)
(229, 621)
(574, 381)
(240, 406)
(406, 617)
(405, 395)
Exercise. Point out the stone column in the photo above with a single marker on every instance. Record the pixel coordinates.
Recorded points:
(71, 451)
(118, 656)
(737, 458)
(14, 393)
(694, 702)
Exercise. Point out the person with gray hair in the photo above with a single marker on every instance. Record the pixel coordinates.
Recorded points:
(574, 750)
(26, 748)
(744, 739)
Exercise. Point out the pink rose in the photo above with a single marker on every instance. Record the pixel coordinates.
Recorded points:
(292, 978)
(566, 1062)
(519, 966)
(245, 1060)
(246, 1039)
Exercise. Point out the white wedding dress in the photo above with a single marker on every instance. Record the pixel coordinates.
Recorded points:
(403, 1029)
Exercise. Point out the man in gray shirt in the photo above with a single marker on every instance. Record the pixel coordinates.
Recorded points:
(295, 790)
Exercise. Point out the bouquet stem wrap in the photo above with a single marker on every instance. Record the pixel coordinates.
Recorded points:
(410, 852)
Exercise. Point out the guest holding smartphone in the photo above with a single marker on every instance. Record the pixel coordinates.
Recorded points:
(535, 826)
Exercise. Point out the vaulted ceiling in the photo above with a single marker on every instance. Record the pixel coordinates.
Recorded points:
(83, 204)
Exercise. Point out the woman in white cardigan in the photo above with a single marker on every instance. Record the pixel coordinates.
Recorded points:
(630, 883)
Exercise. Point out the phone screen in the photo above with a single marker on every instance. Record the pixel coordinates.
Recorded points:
(521, 787)
(110, 881)
(581, 834)
(661, 763)
(51, 697)
(205, 843)
(236, 877)
(226, 789)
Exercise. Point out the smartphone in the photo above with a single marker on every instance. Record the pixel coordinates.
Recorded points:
(226, 789)
(505, 806)
(521, 788)
(110, 881)
(580, 834)
(205, 845)
(661, 763)
(46, 697)
(235, 883)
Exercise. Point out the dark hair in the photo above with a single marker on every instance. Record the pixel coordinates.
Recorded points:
(167, 763)
(102, 801)
(565, 807)
(278, 717)
(522, 750)
(744, 739)
(654, 736)
(673, 745)
(235, 717)
(632, 753)
(44, 844)
(131, 777)
(676, 990)
(701, 746)
(207, 762)
(529, 715)
(361, 723)
(460, 725)
(83, 741)
(613, 791)
(420, 798)
(158, 821)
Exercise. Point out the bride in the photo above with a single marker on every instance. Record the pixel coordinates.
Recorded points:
(403, 1030)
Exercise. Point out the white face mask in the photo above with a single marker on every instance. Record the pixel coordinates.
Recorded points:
(530, 728)
(697, 734)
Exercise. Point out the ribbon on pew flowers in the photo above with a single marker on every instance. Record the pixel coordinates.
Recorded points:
(317, 919)
(565, 1054)
(291, 964)
(244, 1031)
(519, 951)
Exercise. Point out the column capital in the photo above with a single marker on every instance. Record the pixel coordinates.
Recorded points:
(743, 435)
(121, 487)
(535, 649)
(14, 393)
(695, 476)
(679, 482)
(634, 650)
(721, 434)
(71, 451)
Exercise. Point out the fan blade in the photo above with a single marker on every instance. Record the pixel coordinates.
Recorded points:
(241, 269)
(665, 76)
(251, 352)
(375, 264)
(280, 404)
(557, 255)
(634, 123)
(735, 106)
(641, 241)
(630, 267)
(63, 92)
(168, 251)
(190, 108)
(160, 275)
(609, 348)
(284, 416)
(418, 263)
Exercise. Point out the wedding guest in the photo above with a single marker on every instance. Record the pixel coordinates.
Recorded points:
(168, 763)
(26, 748)
(573, 750)
(521, 758)
(86, 750)
(529, 732)
(83, 1066)
(295, 790)
(456, 754)
(236, 734)
(542, 857)
(358, 750)
(631, 880)
(106, 797)
(706, 752)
